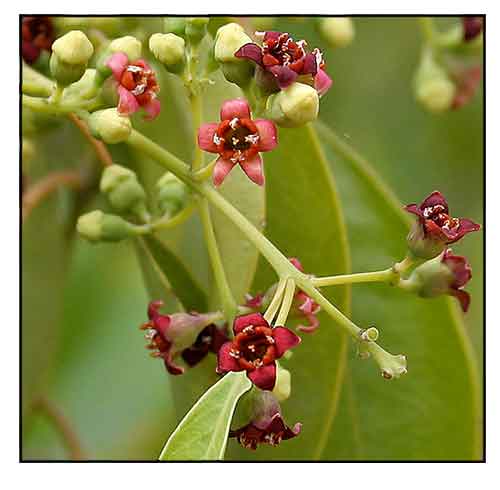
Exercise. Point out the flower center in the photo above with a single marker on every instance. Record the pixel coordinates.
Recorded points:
(139, 80)
(254, 347)
(443, 220)
(283, 50)
(237, 139)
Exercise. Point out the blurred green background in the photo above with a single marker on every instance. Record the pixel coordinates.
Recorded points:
(82, 303)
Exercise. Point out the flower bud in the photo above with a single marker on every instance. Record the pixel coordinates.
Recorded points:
(172, 194)
(283, 386)
(110, 126)
(123, 190)
(337, 31)
(170, 50)
(433, 87)
(293, 106)
(175, 25)
(129, 45)
(70, 55)
(99, 227)
(229, 39)
(196, 29)
(421, 245)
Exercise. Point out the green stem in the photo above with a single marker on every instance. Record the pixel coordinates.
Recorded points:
(205, 172)
(386, 275)
(178, 219)
(287, 302)
(275, 302)
(228, 303)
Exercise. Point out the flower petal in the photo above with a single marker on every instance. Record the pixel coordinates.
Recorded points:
(171, 367)
(467, 225)
(117, 63)
(264, 377)
(253, 168)
(322, 82)
(284, 75)
(235, 108)
(225, 361)
(152, 108)
(435, 199)
(128, 103)
(250, 51)
(206, 134)
(255, 319)
(463, 297)
(193, 356)
(284, 340)
(414, 209)
(312, 327)
(310, 65)
(268, 135)
(221, 169)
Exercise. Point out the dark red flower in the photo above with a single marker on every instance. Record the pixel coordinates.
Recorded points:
(461, 275)
(238, 140)
(171, 335)
(435, 227)
(255, 348)
(473, 26)
(136, 85)
(210, 339)
(37, 34)
(285, 60)
(467, 81)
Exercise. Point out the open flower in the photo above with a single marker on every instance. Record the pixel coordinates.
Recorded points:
(285, 61)
(238, 140)
(267, 425)
(136, 85)
(37, 34)
(172, 335)
(255, 348)
(435, 228)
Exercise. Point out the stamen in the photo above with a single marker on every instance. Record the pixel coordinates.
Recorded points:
(139, 89)
(218, 140)
(234, 123)
(252, 138)
(134, 69)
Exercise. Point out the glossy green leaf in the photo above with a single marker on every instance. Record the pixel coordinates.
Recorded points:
(202, 433)
(409, 418)
(305, 221)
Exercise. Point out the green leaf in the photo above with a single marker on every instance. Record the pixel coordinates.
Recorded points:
(202, 433)
(305, 221)
(166, 274)
(409, 418)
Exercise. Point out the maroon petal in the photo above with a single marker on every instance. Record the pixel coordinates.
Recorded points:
(193, 356)
(322, 82)
(414, 209)
(467, 225)
(172, 368)
(268, 135)
(255, 319)
(435, 199)
(289, 433)
(463, 297)
(284, 340)
(310, 65)
(250, 51)
(221, 169)
(284, 75)
(253, 169)
(272, 35)
(264, 377)
(30, 52)
(206, 134)
(225, 361)
(312, 327)
(235, 108)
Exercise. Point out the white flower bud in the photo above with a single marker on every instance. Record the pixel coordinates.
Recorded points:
(283, 386)
(228, 40)
(73, 48)
(110, 126)
(337, 31)
(169, 49)
(97, 226)
(129, 45)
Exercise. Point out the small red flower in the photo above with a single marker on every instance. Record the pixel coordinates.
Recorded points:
(238, 140)
(436, 224)
(37, 34)
(136, 85)
(467, 80)
(473, 26)
(461, 275)
(189, 335)
(255, 348)
(287, 61)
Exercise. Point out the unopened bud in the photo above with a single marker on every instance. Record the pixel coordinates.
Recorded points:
(293, 106)
(337, 31)
(70, 55)
(175, 25)
(196, 29)
(128, 45)
(123, 190)
(433, 87)
(99, 227)
(172, 194)
(110, 126)
(283, 386)
(170, 50)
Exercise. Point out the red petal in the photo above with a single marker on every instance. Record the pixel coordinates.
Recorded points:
(221, 169)
(322, 82)
(268, 135)
(435, 199)
(264, 377)
(235, 108)
(284, 75)
(127, 104)
(255, 319)
(117, 63)
(414, 209)
(226, 362)
(206, 134)
(152, 108)
(463, 297)
(250, 51)
(284, 340)
(253, 168)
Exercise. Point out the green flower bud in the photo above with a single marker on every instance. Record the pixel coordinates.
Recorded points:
(99, 227)
(196, 29)
(433, 87)
(73, 48)
(110, 126)
(129, 45)
(123, 190)
(175, 25)
(170, 50)
(283, 386)
(229, 39)
(293, 106)
(172, 194)
(337, 31)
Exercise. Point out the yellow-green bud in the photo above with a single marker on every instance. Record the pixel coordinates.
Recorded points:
(337, 31)
(175, 25)
(172, 194)
(293, 106)
(433, 87)
(129, 45)
(196, 29)
(283, 386)
(110, 126)
(123, 190)
(99, 227)
(170, 50)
